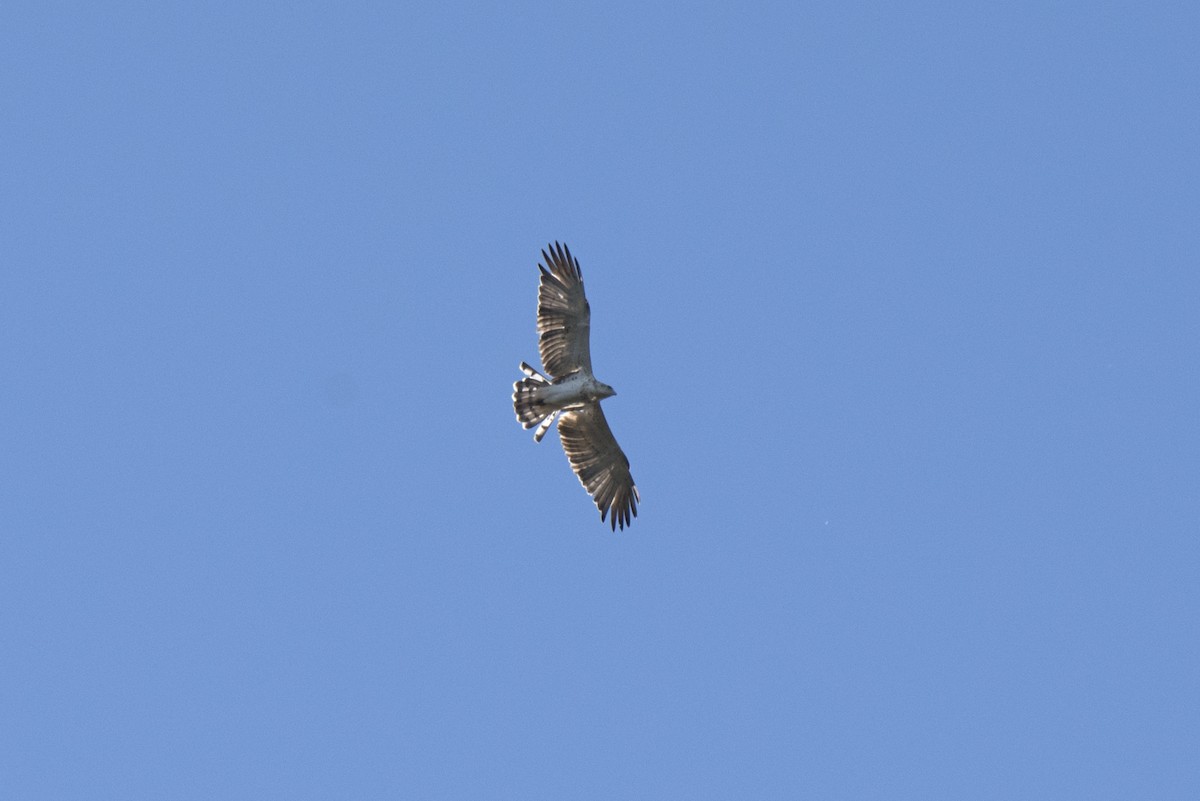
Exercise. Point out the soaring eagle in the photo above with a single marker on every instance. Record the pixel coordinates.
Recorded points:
(572, 393)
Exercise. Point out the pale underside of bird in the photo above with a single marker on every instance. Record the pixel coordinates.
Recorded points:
(571, 393)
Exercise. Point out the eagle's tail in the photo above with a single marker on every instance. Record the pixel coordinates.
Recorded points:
(531, 410)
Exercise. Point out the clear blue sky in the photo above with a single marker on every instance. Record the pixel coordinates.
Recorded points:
(902, 303)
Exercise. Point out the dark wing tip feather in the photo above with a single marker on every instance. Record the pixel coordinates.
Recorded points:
(560, 259)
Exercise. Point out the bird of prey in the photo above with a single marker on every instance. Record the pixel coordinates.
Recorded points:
(572, 393)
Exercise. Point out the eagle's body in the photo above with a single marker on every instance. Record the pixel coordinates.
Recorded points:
(572, 392)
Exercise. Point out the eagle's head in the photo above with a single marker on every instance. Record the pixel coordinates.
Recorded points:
(604, 391)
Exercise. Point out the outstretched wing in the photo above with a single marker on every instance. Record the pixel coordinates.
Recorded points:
(563, 317)
(598, 461)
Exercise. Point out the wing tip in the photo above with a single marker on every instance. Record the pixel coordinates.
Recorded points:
(620, 512)
(560, 258)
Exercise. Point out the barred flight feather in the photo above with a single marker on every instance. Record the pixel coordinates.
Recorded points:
(563, 316)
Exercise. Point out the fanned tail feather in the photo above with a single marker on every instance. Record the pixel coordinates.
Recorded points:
(530, 408)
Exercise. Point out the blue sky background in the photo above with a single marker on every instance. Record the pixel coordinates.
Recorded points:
(902, 302)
